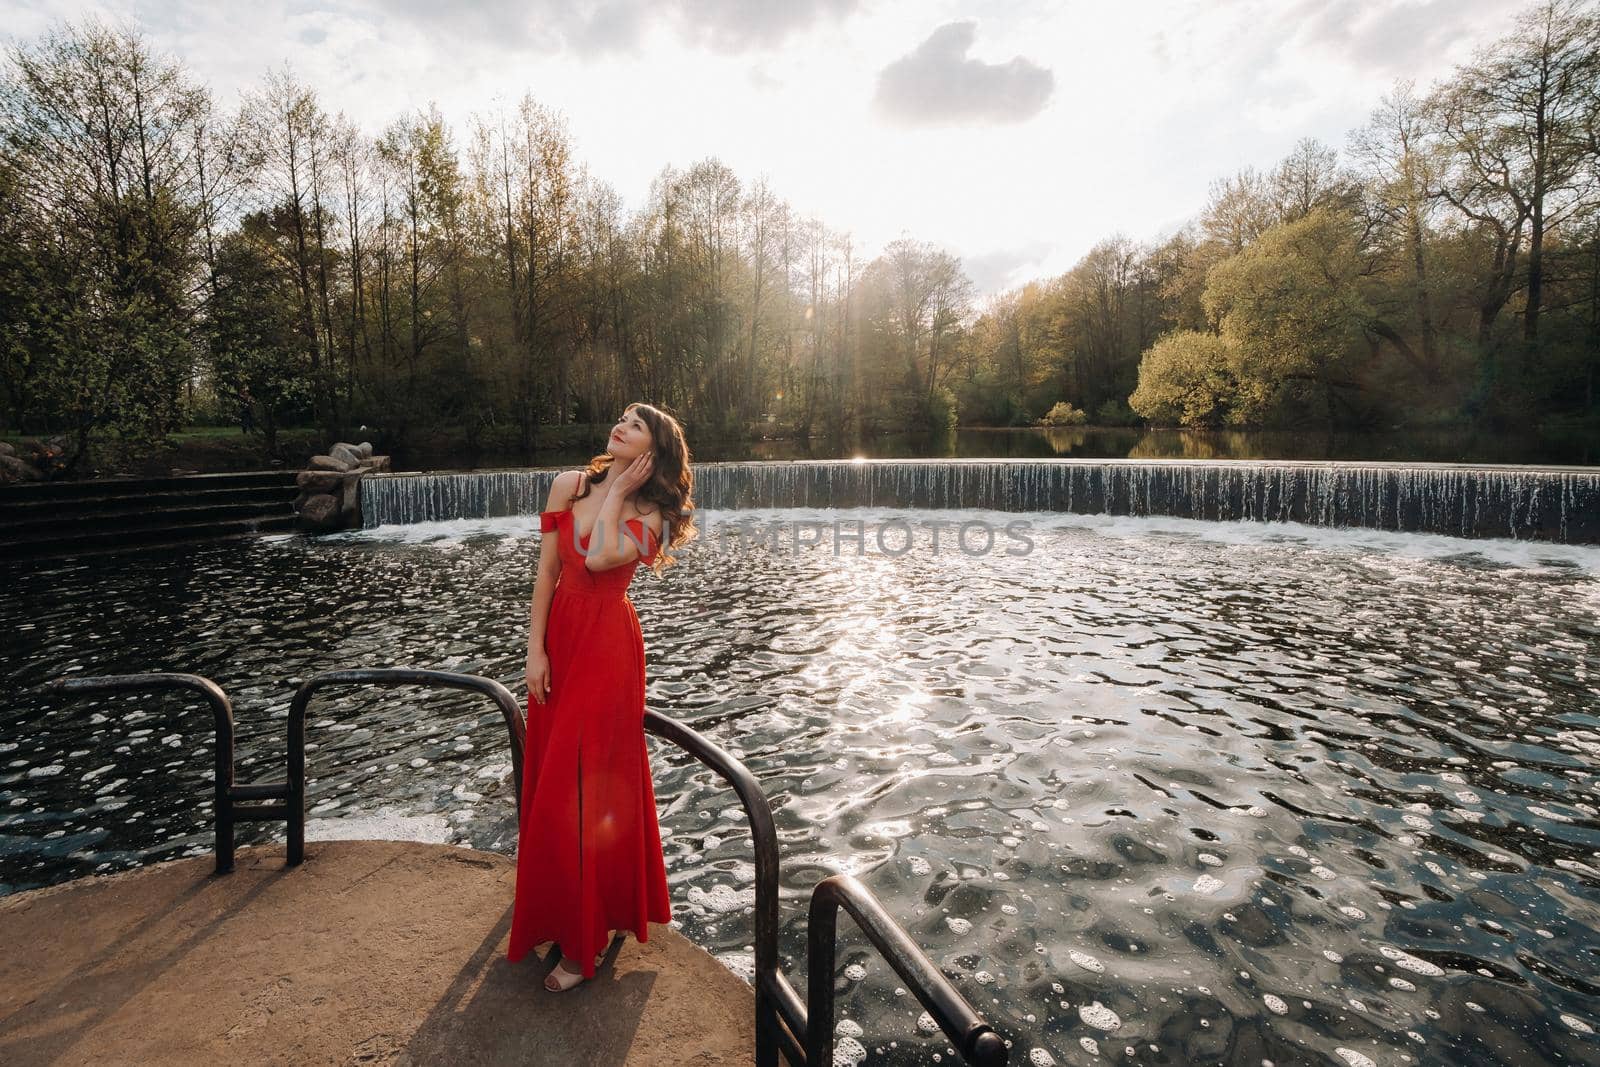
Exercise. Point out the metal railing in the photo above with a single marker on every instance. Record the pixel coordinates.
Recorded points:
(802, 1032)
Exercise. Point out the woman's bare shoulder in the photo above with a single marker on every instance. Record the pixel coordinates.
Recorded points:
(563, 489)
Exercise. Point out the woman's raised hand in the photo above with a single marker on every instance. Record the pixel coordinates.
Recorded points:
(635, 475)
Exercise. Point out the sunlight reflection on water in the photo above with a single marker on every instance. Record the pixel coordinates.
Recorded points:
(1244, 791)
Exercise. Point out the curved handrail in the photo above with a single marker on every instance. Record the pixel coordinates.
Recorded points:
(974, 1039)
(765, 839)
(502, 697)
(222, 712)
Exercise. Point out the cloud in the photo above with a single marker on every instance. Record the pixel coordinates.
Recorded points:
(619, 26)
(1002, 269)
(1398, 37)
(938, 83)
(741, 25)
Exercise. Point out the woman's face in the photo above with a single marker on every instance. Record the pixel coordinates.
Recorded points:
(630, 437)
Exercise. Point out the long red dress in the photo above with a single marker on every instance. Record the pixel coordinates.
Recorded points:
(588, 845)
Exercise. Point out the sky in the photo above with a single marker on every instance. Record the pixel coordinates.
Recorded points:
(1014, 134)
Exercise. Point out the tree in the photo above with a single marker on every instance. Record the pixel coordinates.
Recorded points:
(295, 140)
(253, 333)
(1400, 166)
(1241, 208)
(1292, 308)
(104, 216)
(1307, 179)
(1187, 378)
(1518, 126)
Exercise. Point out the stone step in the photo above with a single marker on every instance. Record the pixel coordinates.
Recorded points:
(26, 492)
(17, 514)
(51, 520)
(98, 542)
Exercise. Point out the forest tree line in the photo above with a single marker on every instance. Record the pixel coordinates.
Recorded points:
(159, 251)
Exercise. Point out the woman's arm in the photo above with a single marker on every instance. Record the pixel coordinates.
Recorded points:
(608, 546)
(544, 586)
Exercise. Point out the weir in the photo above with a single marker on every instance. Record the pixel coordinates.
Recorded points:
(1559, 504)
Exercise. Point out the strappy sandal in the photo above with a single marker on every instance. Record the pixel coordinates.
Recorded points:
(565, 979)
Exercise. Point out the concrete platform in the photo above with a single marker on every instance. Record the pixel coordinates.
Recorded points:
(371, 952)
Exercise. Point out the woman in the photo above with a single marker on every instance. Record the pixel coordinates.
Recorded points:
(589, 856)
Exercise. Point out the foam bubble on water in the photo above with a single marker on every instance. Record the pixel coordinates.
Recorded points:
(983, 977)
(926, 1024)
(1410, 962)
(919, 865)
(1354, 1058)
(1452, 777)
(1299, 851)
(855, 972)
(1099, 1016)
(742, 964)
(1352, 911)
(1206, 884)
(1275, 1004)
(382, 825)
(1323, 872)
(1332, 955)
(1546, 813)
(848, 1052)
(1086, 961)
(1415, 821)
(1039, 1057)
(1403, 985)
(722, 899)
(1209, 860)
(1009, 909)
(46, 772)
(848, 1028)
(1089, 1045)
(1577, 1024)
(958, 925)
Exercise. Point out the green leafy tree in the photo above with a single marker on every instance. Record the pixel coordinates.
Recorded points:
(254, 335)
(106, 202)
(1187, 379)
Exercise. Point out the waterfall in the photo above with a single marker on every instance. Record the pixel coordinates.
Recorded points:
(1530, 503)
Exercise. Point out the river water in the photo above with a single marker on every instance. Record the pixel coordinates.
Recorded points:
(1149, 790)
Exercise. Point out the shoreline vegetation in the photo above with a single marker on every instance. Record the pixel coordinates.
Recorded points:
(222, 449)
(171, 260)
